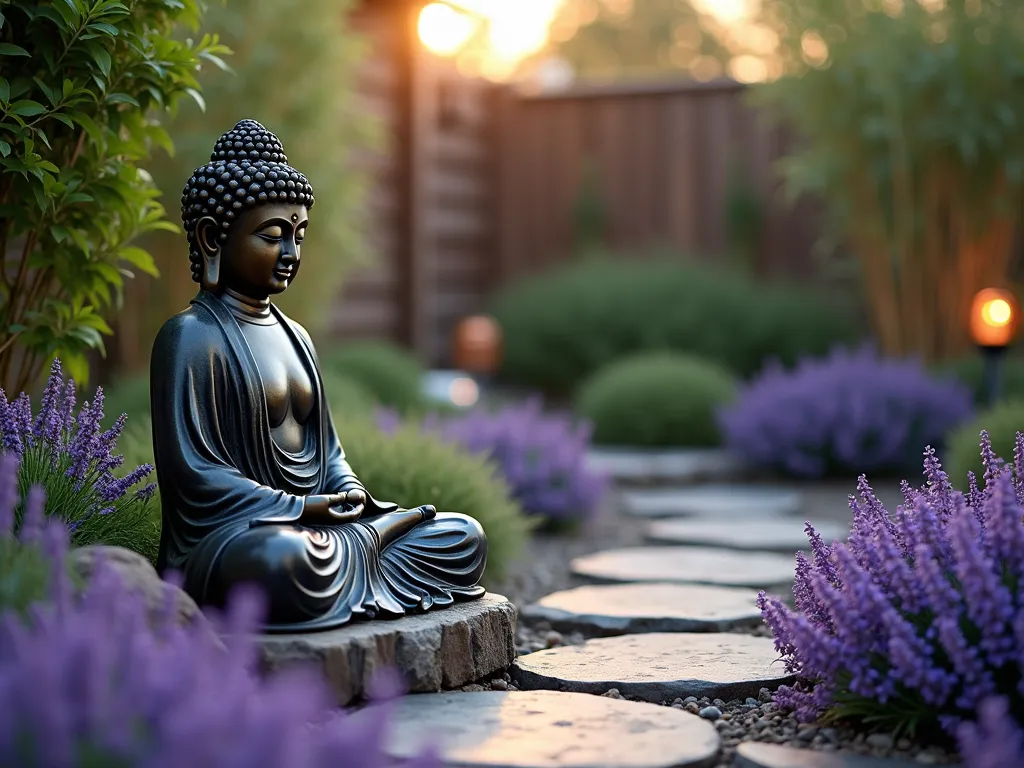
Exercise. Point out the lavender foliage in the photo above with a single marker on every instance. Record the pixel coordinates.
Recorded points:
(850, 412)
(995, 740)
(918, 617)
(86, 681)
(73, 460)
(541, 455)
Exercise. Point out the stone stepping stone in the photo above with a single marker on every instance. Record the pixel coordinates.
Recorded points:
(440, 649)
(775, 535)
(688, 565)
(658, 667)
(619, 609)
(720, 501)
(685, 465)
(541, 729)
(752, 754)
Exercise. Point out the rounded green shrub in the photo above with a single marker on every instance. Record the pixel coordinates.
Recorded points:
(963, 453)
(656, 399)
(348, 399)
(391, 374)
(562, 326)
(411, 467)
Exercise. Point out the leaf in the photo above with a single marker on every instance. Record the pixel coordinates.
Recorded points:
(63, 119)
(9, 49)
(198, 97)
(5, 90)
(102, 59)
(59, 233)
(121, 98)
(26, 108)
(5, 149)
(91, 129)
(139, 258)
(104, 27)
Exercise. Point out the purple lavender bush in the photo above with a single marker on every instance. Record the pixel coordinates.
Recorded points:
(541, 455)
(995, 740)
(918, 618)
(86, 681)
(850, 412)
(69, 456)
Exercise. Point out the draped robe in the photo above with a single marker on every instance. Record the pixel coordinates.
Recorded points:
(219, 469)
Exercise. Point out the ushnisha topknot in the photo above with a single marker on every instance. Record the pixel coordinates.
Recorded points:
(248, 167)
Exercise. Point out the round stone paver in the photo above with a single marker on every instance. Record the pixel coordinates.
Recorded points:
(541, 729)
(658, 667)
(619, 609)
(776, 534)
(732, 502)
(752, 754)
(688, 565)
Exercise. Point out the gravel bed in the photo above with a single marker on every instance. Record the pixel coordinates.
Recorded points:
(546, 569)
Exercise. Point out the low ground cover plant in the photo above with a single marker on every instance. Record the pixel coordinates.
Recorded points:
(560, 327)
(73, 459)
(656, 399)
(541, 455)
(850, 412)
(918, 617)
(86, 681)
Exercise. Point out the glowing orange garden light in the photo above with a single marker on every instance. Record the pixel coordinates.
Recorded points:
(477, 347)
(995, 317)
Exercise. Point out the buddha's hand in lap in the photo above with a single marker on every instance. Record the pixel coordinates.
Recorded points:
(325, 509)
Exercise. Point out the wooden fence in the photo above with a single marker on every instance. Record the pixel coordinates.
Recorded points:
(479, 183)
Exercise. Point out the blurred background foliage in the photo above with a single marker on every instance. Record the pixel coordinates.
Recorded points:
(614, 40)
(295, 66)
(910, 116)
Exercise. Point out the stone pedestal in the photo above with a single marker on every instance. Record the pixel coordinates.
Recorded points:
(437, 650)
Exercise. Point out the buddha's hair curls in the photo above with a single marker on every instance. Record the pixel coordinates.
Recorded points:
(248, 167)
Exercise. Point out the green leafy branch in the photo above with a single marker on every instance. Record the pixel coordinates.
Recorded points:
(83, 84)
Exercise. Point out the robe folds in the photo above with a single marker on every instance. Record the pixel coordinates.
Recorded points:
(219, 469)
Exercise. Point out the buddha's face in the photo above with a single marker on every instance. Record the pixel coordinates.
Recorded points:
(260, 256)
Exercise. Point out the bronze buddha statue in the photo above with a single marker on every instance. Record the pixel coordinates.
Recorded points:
(253, 478)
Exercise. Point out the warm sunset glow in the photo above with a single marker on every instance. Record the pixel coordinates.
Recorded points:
(515, 30)
(444, 30)
(994, 316)
(493, 37)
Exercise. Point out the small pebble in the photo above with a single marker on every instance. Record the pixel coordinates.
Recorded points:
(691, 707)
(880, 741)
(807, 734)
(553, 639)
(499, 685)
(690, 700)
(711, 713)
(904, 744)
(751, 702)
(764, 696)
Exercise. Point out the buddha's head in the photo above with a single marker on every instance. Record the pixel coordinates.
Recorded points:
(245, 214)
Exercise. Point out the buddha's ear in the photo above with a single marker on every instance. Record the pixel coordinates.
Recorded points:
(207, 230)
